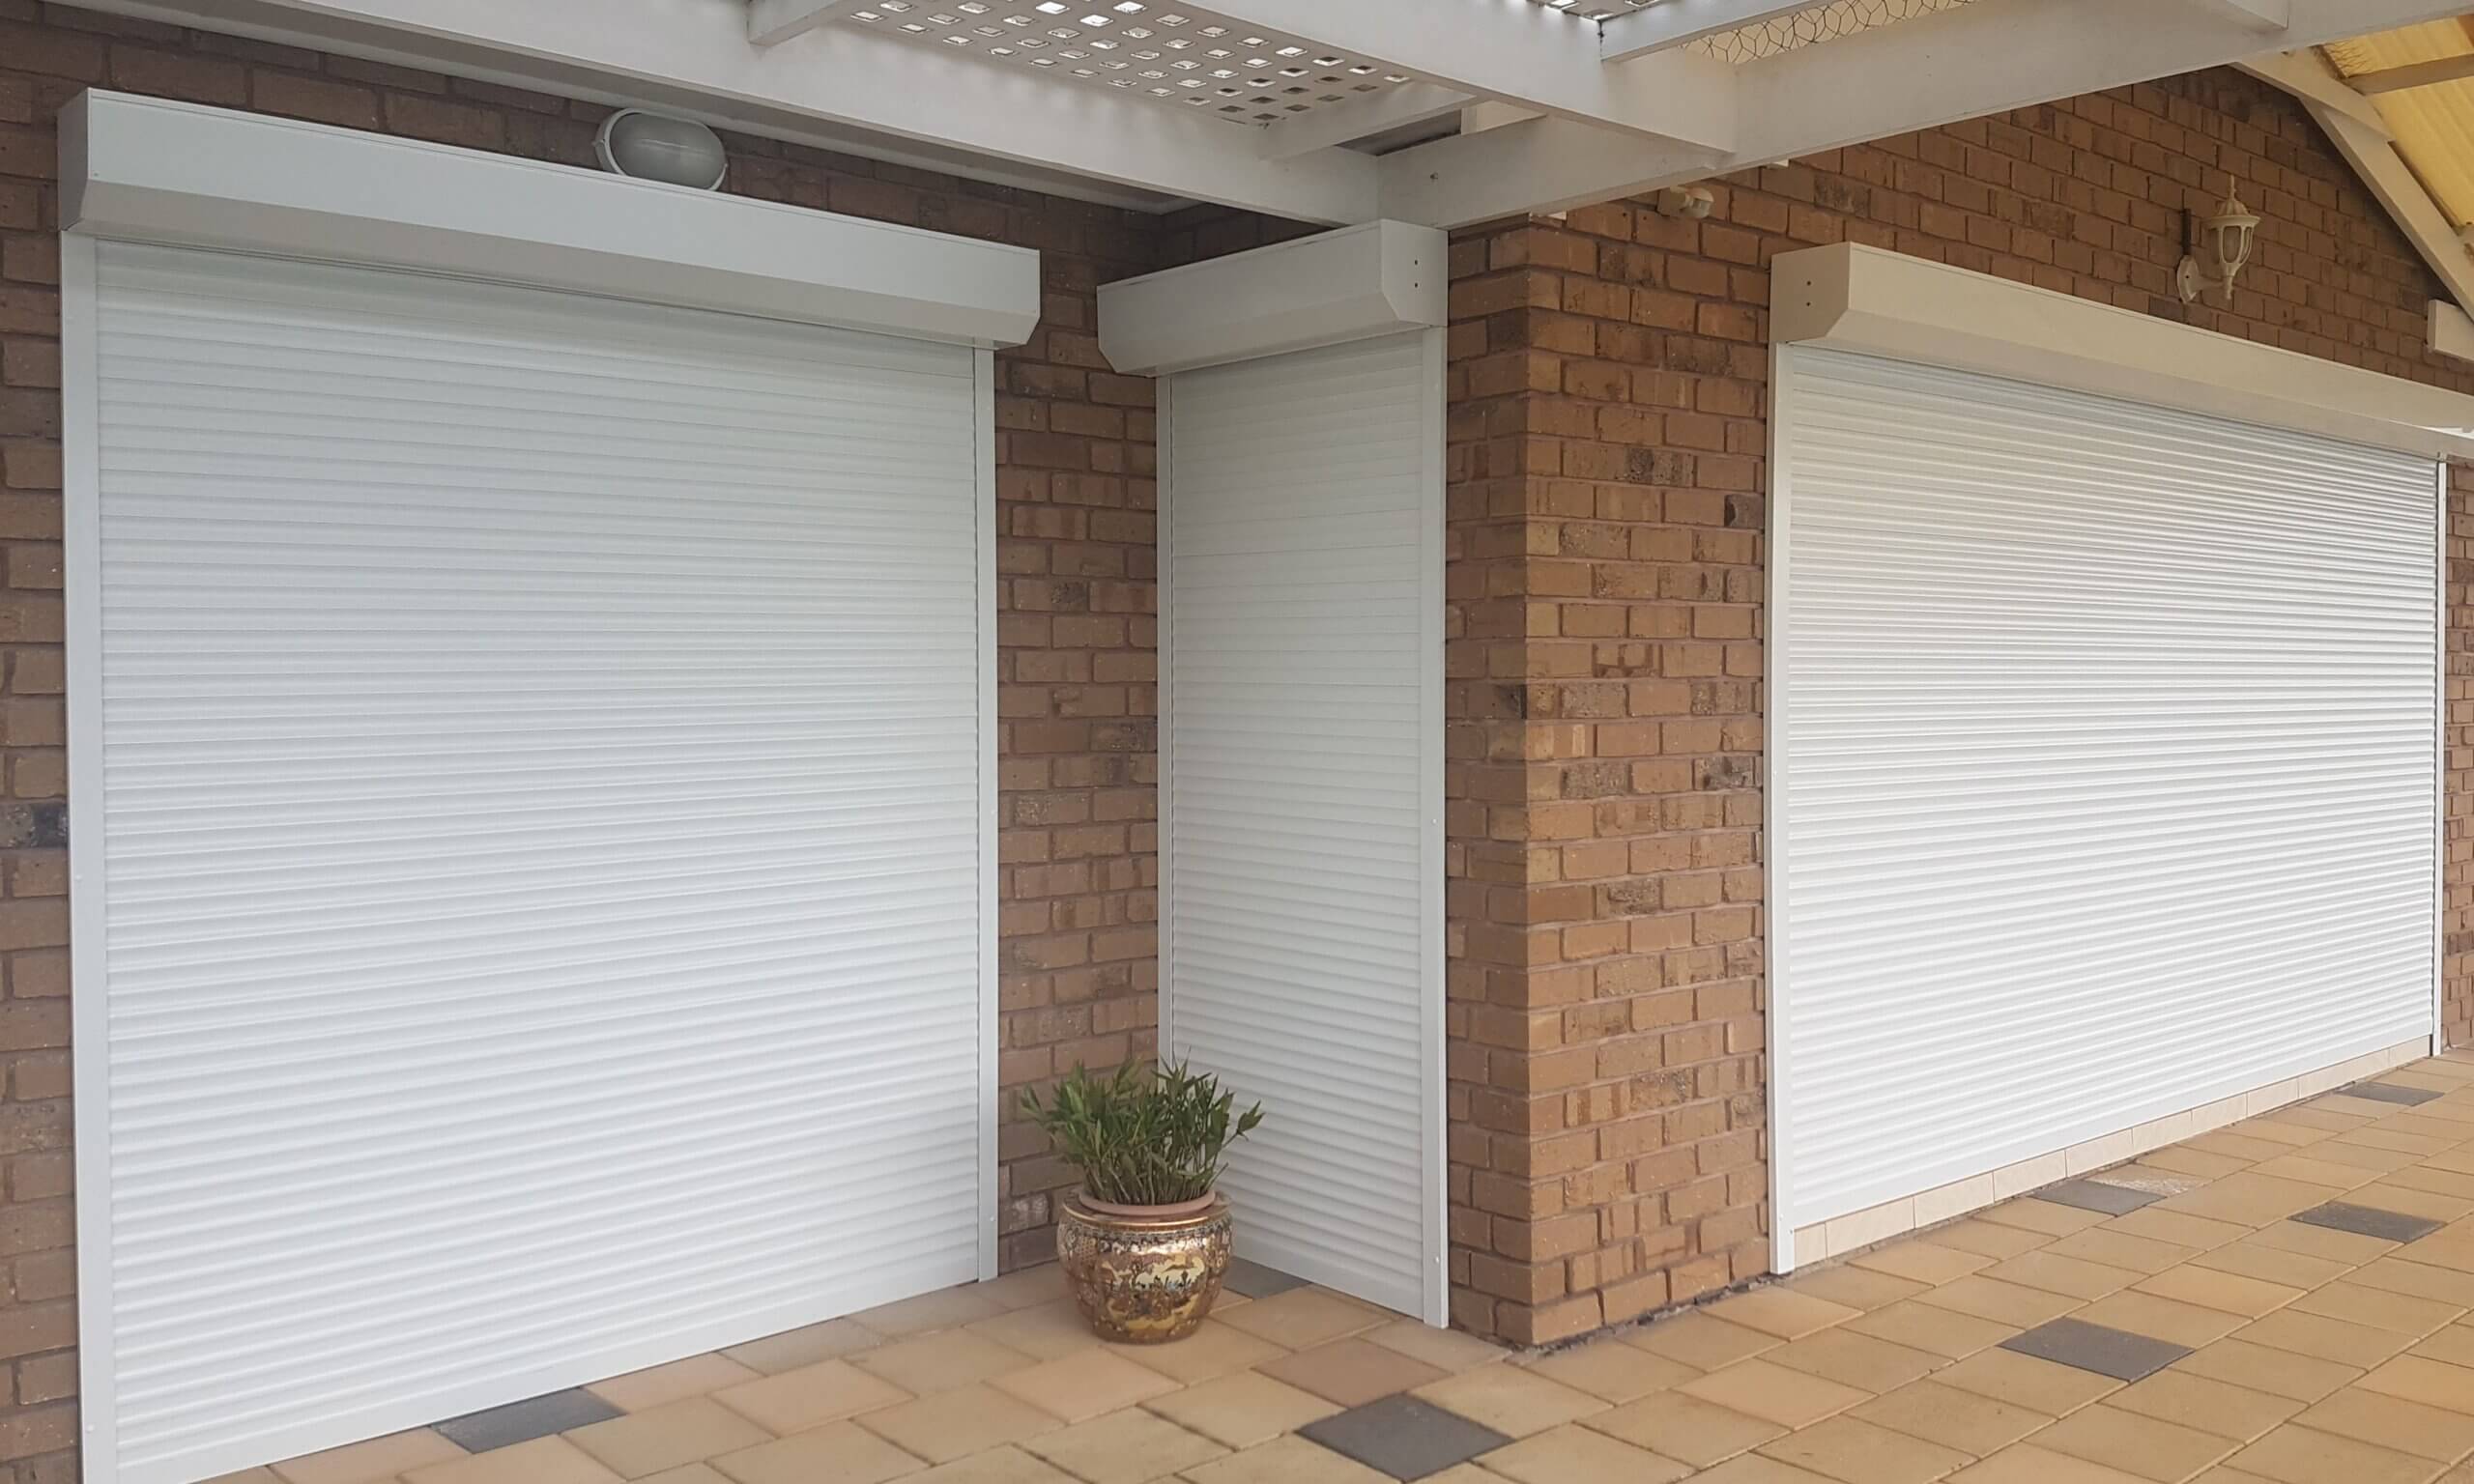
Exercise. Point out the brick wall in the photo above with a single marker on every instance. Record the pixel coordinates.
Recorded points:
(1610, 376)
(1074, 556)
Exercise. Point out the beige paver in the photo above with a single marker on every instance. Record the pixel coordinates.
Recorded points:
(2164, 1319)
(1041, 1331)
(2149, 1447)
(957, 1423)
(1446, 1350)
(2300, 1455)
(941, 1360)
(1242, 1410)
(2027, 1464)
(1304, 1317)
(662, 1384)
(2024, 1381)
(2250, 1259)
(1781, 1313)
(1853, 1359)
(1511, 1399)
(2218, 1406)
(1084, 1384)
(667, 1437)
(1700, 1341)
(2273, 1369)
(380, 1458)
(1007, 1465)
(1214, 1350)
(1857, 1288)
(2058, 1273)
(2005, 1303)
(2394, 1422)
(2379, 1309)
(1613, 1371)
(1124, 1447)
(541, 1461)
(1572, 1454)
(945, 1308)
(841, 1452)
(1354, 1371)
(1966, 1420)
(1861, 1452)
(1674, 1425)
(810, 1396)
(1775, 1393)
(1990, 1238)
(2216, 1289)
(1939, 1331)
(1924, 1262)
(1284, 1461)
(794, 1349)
(2331, 1339)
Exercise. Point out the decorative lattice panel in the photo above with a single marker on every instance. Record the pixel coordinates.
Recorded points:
(1823, 23)
(1186, 57)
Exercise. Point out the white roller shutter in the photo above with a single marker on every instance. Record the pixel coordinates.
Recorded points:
(537, 847)
(2106, 775)
(1301, 951)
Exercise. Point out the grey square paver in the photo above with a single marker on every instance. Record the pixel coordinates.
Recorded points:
(502, 1427)
(1404, 1437)
(2116, 1352)
(2390, 1091)
(1253, 1280)
(2097, 1195)
(2368, 1222)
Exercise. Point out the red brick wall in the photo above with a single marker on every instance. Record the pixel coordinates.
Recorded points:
(1074, 556)
(1610, 384)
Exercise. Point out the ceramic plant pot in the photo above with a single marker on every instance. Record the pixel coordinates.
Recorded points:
(1143, 1274)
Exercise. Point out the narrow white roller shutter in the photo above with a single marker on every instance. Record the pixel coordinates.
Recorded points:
(538, 838)
(1301, 856)
(2105, 769)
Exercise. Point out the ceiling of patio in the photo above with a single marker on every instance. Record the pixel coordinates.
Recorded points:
(2421, 78)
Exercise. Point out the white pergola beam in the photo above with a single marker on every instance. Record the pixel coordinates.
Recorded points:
(2418, 74)
(2260, 15)
(693, 55)
(1681, 22)
(1515, 52)
(1965, 63)
(771, 22)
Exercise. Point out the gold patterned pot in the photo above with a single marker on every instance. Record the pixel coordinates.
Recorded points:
(1143, 1275)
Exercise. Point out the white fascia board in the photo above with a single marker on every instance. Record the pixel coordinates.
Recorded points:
(1965, 63)
(147, 170)
(773, 21)
(2452, 331)
(1848, 298)
(1352, 284)
(1682, 22)
(837, 74)
(1515, 52)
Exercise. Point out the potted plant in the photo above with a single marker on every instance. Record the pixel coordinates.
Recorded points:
(1145, 1241)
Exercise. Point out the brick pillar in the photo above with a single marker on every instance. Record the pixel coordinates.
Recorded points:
(2457, 964)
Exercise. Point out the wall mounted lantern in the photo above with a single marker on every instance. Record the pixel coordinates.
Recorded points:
(2220, 250)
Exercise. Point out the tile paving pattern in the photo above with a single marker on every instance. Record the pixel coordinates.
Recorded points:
(2287, 1301)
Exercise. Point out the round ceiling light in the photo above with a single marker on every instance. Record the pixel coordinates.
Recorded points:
(652, 146)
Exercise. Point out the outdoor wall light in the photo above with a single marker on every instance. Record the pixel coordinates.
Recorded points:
(652, 146)
(2220, 250)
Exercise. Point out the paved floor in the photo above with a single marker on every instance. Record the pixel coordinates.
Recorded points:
(2285, 1299)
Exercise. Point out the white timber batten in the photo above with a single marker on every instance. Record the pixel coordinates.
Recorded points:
(148, 170)
(1961, 64)
(1518, 53)
(694, 56)
(2419, 74)
(1355, 284)
(1682, 22)
(2451, 330)
(770, 22)
(1874, 302)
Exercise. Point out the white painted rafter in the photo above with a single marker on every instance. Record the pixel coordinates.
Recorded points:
(2305, 75)
(771, 22)
(1677, 24)
(1959, 64)
(1514, 52)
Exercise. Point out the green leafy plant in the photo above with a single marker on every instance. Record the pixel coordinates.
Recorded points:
(1146, 1135)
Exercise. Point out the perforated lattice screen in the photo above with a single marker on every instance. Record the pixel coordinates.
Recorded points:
(1243, 73)
(1821, 23)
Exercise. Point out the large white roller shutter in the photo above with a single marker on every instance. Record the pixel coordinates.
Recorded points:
(2106, 768)
(536, 846)
(1300, 935)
